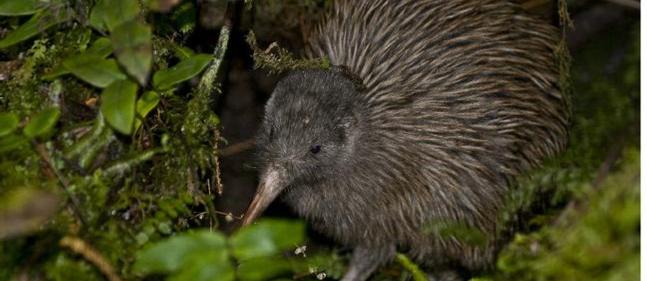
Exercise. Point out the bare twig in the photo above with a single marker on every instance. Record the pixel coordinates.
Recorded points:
(90, 254)
(237, 148)
(626, 3)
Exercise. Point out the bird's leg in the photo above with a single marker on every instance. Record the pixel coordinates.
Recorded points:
(366, 260)
(447, 275)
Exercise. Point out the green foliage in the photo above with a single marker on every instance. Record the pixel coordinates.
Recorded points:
(18, 7)
(266, 237)
(8, 123)
(205, 255)
(147, 102)
(65, 268)
(185, 70)
(94, 69)
(132, 46)
(174, 253)
(118, 105)
(42, 123)
(57, 137)
(109, 14)
(32, 27)
(597, 240)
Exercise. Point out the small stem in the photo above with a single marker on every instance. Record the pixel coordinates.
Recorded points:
(237, 148)
(417, 274)
(626, 3)
(90, 254)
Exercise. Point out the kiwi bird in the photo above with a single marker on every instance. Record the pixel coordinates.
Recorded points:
(431, 110)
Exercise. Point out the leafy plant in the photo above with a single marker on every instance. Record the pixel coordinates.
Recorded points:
(206, 255)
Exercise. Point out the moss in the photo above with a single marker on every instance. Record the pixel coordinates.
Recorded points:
(593, 240)
(277, 60)
(63, 268)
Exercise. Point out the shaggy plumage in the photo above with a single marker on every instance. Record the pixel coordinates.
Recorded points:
(436, 108)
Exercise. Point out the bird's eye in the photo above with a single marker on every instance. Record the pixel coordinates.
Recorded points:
(315, 149)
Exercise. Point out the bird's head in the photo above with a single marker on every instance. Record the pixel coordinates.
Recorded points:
(309, 132)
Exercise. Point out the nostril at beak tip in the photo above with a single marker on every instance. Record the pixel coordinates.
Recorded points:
(268, 189)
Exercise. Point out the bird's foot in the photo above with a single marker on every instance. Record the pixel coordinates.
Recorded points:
(448, 275)
(366, 260)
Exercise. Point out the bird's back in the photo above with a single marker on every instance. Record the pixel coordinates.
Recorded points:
(476, 62)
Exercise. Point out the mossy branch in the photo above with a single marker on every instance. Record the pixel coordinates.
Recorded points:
(92, 255)
(278, 60)
(208, 82)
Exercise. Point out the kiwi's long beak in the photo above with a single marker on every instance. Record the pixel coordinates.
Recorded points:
(269, 188)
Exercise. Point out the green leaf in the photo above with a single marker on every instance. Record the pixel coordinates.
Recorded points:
(56, 72)
(12, 142)
(181, 52)
(42, 123)
(118, 105)
(18, 7)
(258, 269)
(36, 24)
(94, 69)
(171, 254)
(133, 48)
(185, 70)
(205, 266)
(145, 104)
(266, 238)
(101, 47)
(108, 14)
(8, 123)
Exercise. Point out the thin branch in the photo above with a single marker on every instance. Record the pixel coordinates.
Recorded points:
(237, 148)
(90, 254)
(626, 3)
